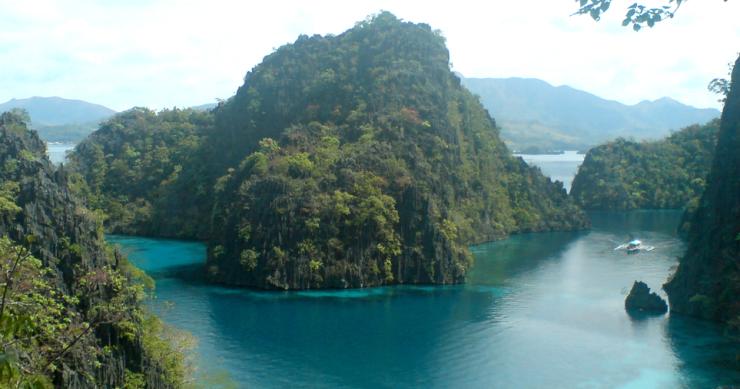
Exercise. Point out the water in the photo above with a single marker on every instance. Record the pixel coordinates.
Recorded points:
(57, 152)
(539, 310)
(560, 167)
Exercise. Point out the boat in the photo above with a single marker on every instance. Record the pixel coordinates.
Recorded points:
(634, 246)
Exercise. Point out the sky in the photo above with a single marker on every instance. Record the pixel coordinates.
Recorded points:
(165, 53)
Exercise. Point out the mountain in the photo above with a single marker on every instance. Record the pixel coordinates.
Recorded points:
(71, 314)
(668, 173)
(707, 281)
(205, 107)
(536, 115)
(55, 111)
(343, 161)
(58, 119)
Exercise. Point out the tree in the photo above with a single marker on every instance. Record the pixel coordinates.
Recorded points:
(637, 15)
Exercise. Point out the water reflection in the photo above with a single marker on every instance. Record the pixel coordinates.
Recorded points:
(708, 358)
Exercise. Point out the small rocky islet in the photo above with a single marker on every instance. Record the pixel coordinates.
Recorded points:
(641, 299)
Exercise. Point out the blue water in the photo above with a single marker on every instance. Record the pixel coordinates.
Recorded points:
(539, 310)
(560, 167)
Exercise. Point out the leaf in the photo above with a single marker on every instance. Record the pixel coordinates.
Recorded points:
(625, 22)
(636, 27)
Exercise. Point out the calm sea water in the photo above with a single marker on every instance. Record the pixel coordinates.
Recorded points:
(560, 167)
(57, 152)
(539, 311)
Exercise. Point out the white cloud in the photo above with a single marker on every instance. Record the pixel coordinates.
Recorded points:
(165, 53)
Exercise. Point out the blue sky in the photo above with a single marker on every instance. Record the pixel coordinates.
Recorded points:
(164, 53)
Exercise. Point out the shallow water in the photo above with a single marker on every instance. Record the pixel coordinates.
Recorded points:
(539, 310)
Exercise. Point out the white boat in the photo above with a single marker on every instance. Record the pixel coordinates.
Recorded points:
(634, 246)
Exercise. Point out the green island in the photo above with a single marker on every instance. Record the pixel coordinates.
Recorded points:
(349, 161)
(669, 173)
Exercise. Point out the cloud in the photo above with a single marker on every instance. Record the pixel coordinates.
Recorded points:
(164, 53)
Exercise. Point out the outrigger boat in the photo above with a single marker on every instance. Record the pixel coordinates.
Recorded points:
(634, 246)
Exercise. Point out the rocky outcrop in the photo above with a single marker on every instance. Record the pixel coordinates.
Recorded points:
(707, 281)
(359, 160)
(38, 203)
(640, 299)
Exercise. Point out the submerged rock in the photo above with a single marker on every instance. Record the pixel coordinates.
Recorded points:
(641, 299)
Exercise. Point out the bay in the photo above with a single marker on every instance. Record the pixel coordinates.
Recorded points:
(539, 310)
(559, 167)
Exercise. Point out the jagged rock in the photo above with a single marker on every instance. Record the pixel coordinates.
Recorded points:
(641, 299)
(400, 168)
(707, 281)
(68, 240)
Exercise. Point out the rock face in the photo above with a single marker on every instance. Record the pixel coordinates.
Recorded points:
(707, 281)
(343, 161)
(380, 168)
(35, 200)
(641, 299)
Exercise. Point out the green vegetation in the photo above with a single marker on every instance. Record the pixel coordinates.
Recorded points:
(133, 171)
(637, 16)
(670, 173)
(70, 307)
(707, 282)
(71, 133)
(343, 161)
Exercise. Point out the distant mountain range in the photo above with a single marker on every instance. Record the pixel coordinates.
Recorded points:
(536, 116)
(205, 107)
(533, 115)
(61, 120)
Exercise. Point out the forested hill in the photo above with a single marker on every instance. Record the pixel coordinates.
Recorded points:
(350, 161)
(147, 171)
(707, 282)
(71, 312)
(625, 174)
(59, 119)
(538, 116)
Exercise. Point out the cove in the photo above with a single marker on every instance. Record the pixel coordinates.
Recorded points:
(539, 310)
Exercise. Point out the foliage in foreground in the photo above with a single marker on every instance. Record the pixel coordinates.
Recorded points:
(70, 307)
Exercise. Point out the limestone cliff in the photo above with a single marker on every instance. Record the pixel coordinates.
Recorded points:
(707, 282)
